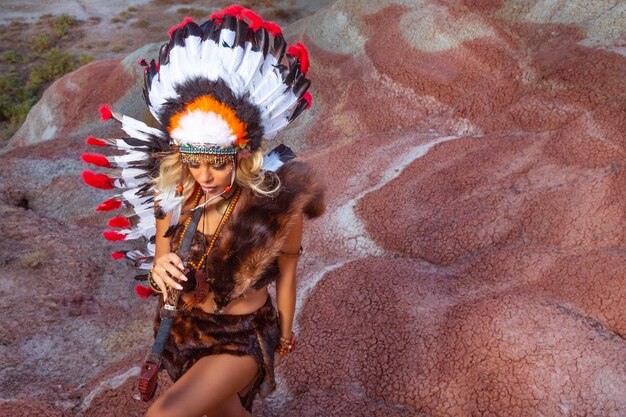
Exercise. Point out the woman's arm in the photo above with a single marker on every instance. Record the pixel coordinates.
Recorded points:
(286, 283)
(162, 244)
(166, 264)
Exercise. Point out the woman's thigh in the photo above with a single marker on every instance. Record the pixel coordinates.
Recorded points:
(208, 383)
(230, 407)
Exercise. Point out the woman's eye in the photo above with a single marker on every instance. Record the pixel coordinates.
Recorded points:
(194, 166)
(219, 167)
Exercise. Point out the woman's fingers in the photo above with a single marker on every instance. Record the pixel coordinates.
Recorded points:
(175, 260)
(168, 280)
(166, 268)
(174, 266)
(175, 272)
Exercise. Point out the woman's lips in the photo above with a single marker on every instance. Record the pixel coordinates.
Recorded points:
(209, 189)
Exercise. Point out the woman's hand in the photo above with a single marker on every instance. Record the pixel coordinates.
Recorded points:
(166, 269)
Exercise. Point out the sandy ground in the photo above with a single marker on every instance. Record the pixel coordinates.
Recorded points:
(115, 26)
(113, 31)
(30, 11)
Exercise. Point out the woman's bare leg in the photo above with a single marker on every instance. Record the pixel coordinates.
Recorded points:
(209, 382)
(230, 407)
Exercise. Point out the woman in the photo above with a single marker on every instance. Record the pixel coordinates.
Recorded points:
(221, 380)
(219, 92)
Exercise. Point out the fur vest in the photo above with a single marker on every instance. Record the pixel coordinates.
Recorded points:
(245, 257)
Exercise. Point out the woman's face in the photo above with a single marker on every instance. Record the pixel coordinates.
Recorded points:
(211, 177)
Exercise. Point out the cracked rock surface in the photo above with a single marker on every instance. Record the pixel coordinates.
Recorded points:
(471, 259)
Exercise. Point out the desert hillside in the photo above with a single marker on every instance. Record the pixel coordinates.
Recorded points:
(471, 258)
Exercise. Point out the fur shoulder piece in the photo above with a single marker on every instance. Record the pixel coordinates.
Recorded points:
(254, 235)
(300, 186)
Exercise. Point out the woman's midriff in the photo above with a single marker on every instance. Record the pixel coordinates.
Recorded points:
(242, 305)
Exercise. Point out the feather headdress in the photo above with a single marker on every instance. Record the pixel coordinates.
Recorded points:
(217, 88)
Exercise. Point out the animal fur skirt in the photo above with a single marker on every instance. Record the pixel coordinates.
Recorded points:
(196, 333)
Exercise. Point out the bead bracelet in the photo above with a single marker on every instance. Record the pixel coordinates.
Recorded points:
(287, 345)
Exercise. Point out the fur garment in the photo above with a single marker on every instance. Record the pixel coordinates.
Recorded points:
(245, 255)
(196, 333)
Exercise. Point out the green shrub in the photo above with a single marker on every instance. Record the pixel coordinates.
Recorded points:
(41, 43)
(56, 64)
(11, 57)
(62, 24)
(141, 24)
(15, 99)
(117, 48)
(85, 59)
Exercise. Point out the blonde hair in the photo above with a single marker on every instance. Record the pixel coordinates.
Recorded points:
(248, 175)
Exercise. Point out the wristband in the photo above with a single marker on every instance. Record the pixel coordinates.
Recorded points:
(287, 345)
(152, 283)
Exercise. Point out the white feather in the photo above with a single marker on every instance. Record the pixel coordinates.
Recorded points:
(210, 64)
(129, 156)
(277, 123)
(136, 201)
(262, 88)
(121, 144)
(271, 162)
(226, 53)
(250, 64)
(280, 105)
(142, 230)
(139, 126)
(200, 127)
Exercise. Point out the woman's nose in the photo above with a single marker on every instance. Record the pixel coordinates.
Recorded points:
(205, 174)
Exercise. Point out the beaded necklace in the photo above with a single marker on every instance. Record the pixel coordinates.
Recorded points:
(225, 216)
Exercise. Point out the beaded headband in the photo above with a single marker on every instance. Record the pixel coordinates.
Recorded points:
(213, 155)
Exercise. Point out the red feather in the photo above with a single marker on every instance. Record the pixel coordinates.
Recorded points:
(234, 10)
(144, 292)
(95, 142)
(256, 22)
(118, 255)
(105, 112)
(185, 20)
(97, 180)
(96, 159)
(156, 66)
(308, 98)
(218, 14)
(272, 28)
(113, 236)
(299, 51)
(109, 205)
(119, 221)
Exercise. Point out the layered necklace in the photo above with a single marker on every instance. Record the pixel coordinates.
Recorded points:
(225, 216)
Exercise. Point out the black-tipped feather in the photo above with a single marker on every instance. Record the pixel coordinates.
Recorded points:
(302, 104)
(284, 152)
(262, 41)
(301, 86)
